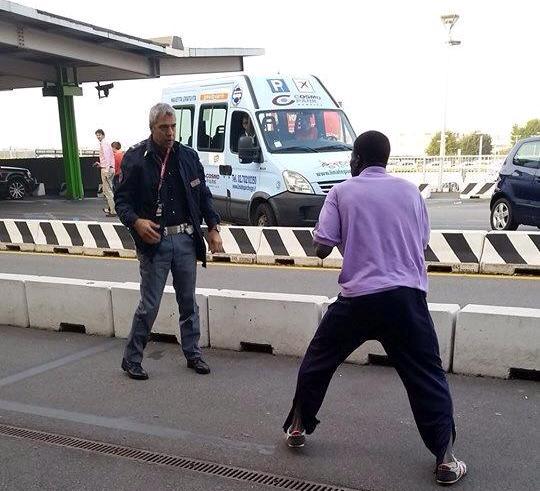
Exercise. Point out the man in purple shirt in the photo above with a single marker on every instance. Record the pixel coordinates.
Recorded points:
(381, 227)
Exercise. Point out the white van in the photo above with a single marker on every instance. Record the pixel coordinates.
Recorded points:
(272, 146)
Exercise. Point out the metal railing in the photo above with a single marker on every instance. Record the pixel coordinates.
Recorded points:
(454, 163)
(46, 152)
(42, 152)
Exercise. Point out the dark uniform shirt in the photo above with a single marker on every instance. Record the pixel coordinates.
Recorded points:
(175, 207)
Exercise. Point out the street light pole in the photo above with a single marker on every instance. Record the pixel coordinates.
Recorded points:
(480, 143)
(449, 21)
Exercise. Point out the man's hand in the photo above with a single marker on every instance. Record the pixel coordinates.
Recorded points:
(148, 230)
(322, 251)
(214, 242)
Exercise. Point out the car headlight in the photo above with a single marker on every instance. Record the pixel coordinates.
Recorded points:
(297, 183)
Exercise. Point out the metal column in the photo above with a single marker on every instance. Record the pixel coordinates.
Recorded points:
(64, 90)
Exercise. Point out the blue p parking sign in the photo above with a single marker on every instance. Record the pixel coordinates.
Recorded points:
(278, 85)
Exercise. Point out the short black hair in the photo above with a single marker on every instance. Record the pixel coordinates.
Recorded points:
(100, 131)
(372, 147)
(116, 145)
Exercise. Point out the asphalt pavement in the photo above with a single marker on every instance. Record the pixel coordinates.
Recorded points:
(446, 210)
(443, 288)
(71, 385)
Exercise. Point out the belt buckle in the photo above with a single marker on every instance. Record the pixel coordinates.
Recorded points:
(165, 232)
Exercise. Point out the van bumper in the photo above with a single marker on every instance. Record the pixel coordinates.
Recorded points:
(296, 209)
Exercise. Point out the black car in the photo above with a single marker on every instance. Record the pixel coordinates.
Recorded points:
(16, 182)
(516, 200)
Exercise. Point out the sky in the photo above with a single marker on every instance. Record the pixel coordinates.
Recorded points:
(386, 60)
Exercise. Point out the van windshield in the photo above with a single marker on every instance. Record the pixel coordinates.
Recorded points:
(306, 130)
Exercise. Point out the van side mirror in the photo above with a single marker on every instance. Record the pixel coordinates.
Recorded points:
(248, 151)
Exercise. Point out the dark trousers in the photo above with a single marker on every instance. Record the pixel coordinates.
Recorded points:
(400, 320)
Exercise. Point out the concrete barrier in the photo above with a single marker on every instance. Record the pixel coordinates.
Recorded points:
(13, 305)
(492, 340)
(448, 250)
(280, 245)
(283, 321)
(444, 319)
(425, 190)
(479, 189)
(240, 245)
(125, 298)
(459, 251)
(453, 250)
(17, 235)
(57, 302)
(511, 252)
(40, 190)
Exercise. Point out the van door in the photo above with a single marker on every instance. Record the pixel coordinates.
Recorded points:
(245, 178)
(210, 145)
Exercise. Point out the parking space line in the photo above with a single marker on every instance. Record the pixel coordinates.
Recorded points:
(17, 377)
(128, 424)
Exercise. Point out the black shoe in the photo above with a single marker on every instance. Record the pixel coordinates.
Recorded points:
(199, 366)
(134, 370)
(451, 472)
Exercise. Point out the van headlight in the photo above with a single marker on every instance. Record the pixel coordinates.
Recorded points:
(297, 183)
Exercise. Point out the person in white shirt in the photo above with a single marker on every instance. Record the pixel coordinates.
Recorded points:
(106, 165)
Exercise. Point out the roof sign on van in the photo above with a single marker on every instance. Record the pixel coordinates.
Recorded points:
(218, 96)
(303, 85)
(278, 85)
(291, 92)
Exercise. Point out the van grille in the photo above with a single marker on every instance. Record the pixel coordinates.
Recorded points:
(327, 185)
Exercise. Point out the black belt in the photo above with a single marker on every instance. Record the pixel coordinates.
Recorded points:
(183, 228)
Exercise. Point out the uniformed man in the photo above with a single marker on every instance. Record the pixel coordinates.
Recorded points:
(162, 198)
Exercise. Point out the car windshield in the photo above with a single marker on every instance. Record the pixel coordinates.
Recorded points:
(306, 130)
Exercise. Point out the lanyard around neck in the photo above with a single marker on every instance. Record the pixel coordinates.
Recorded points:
(163, 163)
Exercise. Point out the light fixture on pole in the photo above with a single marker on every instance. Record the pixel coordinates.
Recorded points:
(449, 22)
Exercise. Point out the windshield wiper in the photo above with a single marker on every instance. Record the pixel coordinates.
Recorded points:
(336, 146)
(296, 148)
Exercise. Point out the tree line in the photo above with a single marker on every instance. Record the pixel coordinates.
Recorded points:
(469, 144)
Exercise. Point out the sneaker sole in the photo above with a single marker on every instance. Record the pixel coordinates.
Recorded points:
(449, 483)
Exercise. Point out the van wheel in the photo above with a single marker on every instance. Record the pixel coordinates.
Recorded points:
(502, 216)
(264, 216)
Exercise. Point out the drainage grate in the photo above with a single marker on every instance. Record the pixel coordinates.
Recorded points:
(210, 468)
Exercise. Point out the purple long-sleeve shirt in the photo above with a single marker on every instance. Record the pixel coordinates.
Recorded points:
(381, 227)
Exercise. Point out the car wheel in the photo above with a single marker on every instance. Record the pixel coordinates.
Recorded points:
(502, 216)
(16, 189)
(264, 216)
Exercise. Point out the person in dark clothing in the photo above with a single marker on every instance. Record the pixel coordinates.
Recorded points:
(380, 225)
(162, 198)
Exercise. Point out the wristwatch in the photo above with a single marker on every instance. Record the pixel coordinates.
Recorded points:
(216, 227)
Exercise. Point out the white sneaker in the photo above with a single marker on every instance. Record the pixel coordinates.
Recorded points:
(451, 472)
